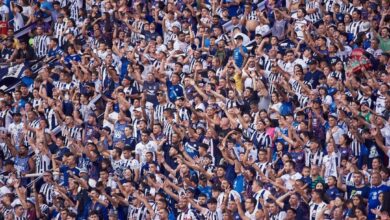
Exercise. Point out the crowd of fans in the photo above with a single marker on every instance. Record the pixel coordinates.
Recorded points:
(184, 109)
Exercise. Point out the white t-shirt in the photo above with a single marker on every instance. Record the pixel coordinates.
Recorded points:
(289, 180)
(16, 132)
(298, 28)
(329, 162)
(27, 11)
(18, 21)
(3, 10)
(251, 216)
(385, 131)
(141, 149)
(232, 195)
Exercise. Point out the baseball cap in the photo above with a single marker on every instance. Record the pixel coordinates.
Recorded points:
(312, 61)
(138, 109)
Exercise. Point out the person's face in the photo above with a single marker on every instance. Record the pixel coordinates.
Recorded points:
(46, 177)
(306, 172)
(72, 185)
(175, 79)
(182, 203)
(330, 147)
(93, 217)
(272, 208)
(290, 214)
(17, 118)
(39, 30)
(262, 155)
(355, 201)
(357, 179)
(64, 214)
(144, 137)
(290, 57)
(355, 16)
(376, 179)
(19, 211)
(184, 169)
(287, 167)
(149, 157)
(260, 126)
(319, 186)
(384, 32)
(332, 121)
(293, 200)
(347, 19)
(220, 172)
(23, 150)
(68, 120)
(381, 198)
(17, 95)
(104, 175)
(71, 160)
(300, 13)
(248, 204)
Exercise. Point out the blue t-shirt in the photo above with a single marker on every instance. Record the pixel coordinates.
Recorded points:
(205, 190)
(239, 183)
(238, 57)
(313, 77)
(373, 198)
(174, 91)
(64, 170)
(119, 132)
(332, 192)
(192, 147)
(74, 57)
(363, 191)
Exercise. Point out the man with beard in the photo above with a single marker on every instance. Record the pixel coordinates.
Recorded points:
(91, 129)
(23, 163)
(185, 212)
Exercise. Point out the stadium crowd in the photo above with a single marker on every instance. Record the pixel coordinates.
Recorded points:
(184, 109)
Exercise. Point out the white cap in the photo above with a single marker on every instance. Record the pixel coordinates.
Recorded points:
(263, 30)
(92, 183)
(176, 24)
(365, 26)
(138, 109)
(4, 190)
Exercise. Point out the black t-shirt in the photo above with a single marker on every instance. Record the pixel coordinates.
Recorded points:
(28, 97)
(27, 54)
(221, 132)
(302, 210)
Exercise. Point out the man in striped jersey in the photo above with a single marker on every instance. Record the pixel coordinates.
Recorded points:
(41, 43)
(185, 213)
(260, 193)
(136, 210)
(314, 154)
(20, 213)
(313, 11)
(209, 213)
(317, 205)
(159, 116)
(68, 129)
(5, 114)
(47, 189)
(58, 29)
(356, 26)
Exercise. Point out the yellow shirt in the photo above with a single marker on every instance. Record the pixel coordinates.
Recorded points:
(238, 80)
